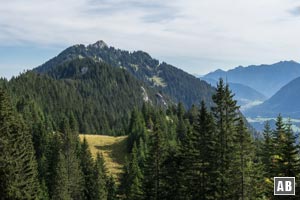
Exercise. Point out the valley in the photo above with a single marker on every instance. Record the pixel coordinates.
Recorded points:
(263, 92)
(162, 125)
(149, 100)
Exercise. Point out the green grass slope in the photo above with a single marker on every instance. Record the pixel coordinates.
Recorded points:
(113, 149)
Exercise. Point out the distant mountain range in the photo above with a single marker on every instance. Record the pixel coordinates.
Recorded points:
(266, 79)
(246, 96)
(286, 101)
(264, 91)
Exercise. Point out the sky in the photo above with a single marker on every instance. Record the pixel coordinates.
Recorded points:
(198, 36)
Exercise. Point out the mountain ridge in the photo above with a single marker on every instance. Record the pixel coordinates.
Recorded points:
(164, 77)
(92, 91)
(285, 101)
(267, 79)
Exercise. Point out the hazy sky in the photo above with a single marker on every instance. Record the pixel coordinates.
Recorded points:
(196, 35)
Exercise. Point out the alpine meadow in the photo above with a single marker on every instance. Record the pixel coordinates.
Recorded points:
(81, 119)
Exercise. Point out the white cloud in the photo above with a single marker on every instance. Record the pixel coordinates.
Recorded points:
(206, 33)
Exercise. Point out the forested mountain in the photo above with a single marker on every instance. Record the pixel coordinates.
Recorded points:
(245, 95)
(285, 101)
(202, 153)
(177, 84)
(99, 96)
(267, 79)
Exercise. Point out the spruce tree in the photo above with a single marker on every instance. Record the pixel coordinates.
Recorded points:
(189, 166)
(100, 177)
(244, 166)
(111, 189)
(53, 157)
(70, 151)
(61, 183)
(18, 167)
(267, 149)
(135, 177)
(205, 142)
(289, 153)
(152, 174)
(87, 162)
(197, 158)
(278, 146)
(137, 129)
(225, 113)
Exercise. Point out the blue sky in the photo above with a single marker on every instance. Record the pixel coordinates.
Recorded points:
(198, 36)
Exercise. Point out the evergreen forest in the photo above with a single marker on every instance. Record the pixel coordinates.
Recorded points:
(201, 152)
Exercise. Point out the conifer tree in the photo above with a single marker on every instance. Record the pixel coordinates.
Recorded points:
(188, 166)
(87, 162)
(18, 167)
(137, 129)
(225, 113)
(124, 183)
(61, 182)
(171, 181)
(53, 157)
(193, 114)
(289, 153)
(70, 151)
(267, 149)
(197, 158)
(142, 152)
(135, 177)
(111, 189)
(278, 145)
(205, 142)
(152, 173)
(100, 177)
(243, 164)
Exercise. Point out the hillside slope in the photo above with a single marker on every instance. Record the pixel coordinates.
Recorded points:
(267, 79)
(100, 97)
(177, 84)
(113, 149)
(285, 101)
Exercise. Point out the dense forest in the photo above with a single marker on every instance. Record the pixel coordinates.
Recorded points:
(99, 96)
(164, 77)
(204, 152)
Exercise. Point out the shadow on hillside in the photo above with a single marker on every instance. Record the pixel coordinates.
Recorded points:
(116, 151)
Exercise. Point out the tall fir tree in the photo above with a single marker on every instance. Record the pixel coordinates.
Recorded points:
(135, 177)
(87, 163)
(225, 114)
(60, 188)
(267, 149)
(205, 142)
(136, 130)
(18, 166)
(111, 189)
(100, 177)
(246, 177)
(278, 145)
(189, 166)
(70, 151)
(152, 174)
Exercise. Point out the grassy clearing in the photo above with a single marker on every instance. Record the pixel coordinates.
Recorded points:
(113, 149)
(158, 81)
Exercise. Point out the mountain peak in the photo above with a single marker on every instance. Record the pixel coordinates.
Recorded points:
(99, 44)
(287, 62)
